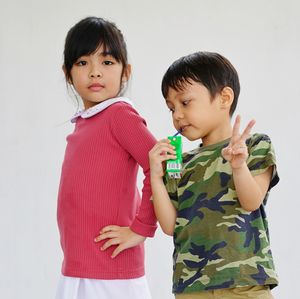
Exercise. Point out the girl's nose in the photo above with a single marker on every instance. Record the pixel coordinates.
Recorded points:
(95, 73)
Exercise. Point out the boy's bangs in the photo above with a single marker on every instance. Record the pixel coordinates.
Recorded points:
(177, 82)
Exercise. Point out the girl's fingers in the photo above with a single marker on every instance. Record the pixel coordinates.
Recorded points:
(118, 250)
(247, 131)
(109, 243)
(109, 228)
(107, 235)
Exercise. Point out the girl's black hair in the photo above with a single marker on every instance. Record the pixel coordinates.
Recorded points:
(210, 69)
(85, 37)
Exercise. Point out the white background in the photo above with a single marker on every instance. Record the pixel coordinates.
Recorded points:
(260, 37)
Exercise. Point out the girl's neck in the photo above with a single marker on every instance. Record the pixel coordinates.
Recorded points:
(87, 105)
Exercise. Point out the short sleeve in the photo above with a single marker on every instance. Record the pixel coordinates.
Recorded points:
(262, 156)
(171, 187)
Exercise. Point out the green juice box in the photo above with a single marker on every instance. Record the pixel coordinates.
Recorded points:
(174, 166)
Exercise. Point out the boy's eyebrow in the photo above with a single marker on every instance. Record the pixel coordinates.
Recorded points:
(168, 102)
(178, 94)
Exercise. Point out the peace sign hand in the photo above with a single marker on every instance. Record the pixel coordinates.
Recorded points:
(237, 152)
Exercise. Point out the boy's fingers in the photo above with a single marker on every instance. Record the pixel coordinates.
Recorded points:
(236, 126)
(247, 131)
(240, 150)
(165, 140)
(160, 146)
(164, 151)
(167, 157)
(227, 150)
(226, 153)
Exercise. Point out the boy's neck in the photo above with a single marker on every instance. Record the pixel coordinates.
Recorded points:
(219, 134)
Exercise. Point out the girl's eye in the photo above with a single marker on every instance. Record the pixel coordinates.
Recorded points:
(185, 102)
(81, 62)
(107, 62)
(171, 110)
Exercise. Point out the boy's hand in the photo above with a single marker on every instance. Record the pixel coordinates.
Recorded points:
(161, 152)
(237, 152)
(124, 237)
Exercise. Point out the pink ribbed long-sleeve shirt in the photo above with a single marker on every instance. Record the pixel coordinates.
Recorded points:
(98, 188)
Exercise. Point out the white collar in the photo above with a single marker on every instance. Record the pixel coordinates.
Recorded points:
(99, 107)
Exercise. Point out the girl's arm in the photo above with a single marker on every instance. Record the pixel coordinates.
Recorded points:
(131, 132)
(164, 209)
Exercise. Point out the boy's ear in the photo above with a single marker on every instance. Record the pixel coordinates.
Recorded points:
(126, 73)
(226, 97)
(65, 72)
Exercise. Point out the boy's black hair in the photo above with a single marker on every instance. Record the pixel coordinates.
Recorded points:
(85, 37)
(210, 69)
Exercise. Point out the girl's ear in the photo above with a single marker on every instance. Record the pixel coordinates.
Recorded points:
(65, 72)
(126, 73)
(226, 97)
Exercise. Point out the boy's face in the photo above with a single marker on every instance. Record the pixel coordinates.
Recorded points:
(195, 113)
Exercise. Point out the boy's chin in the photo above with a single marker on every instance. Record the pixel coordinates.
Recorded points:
(192, 138)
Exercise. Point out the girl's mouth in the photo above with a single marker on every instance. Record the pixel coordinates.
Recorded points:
(95, 87)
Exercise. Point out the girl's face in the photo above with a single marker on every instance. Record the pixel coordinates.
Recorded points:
(98, 77)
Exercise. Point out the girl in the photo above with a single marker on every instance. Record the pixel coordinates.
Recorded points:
(102, 221)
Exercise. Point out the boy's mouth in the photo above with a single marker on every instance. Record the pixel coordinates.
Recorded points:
(183, 128)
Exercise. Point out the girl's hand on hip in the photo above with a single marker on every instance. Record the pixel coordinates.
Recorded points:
(161, 152)
(121, 236)
(237, 151)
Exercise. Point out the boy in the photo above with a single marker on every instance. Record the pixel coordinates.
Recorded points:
(216, 210)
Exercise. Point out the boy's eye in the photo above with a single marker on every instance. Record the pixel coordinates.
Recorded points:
(171, 110)
(185, 102)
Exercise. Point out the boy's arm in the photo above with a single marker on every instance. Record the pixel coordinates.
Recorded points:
(163, 207)
(251, 190)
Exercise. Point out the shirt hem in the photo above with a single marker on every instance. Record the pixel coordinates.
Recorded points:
(104, 275)
(271, 284)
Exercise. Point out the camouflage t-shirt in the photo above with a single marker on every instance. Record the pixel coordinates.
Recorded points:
(217, 243)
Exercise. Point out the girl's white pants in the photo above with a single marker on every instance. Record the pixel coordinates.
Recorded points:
(83, 288)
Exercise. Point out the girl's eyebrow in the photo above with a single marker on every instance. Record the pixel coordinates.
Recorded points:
(105, 53)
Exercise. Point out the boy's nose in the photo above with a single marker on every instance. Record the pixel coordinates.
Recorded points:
(178, 115)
